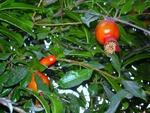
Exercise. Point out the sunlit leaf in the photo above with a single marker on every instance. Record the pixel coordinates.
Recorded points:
(74, 78)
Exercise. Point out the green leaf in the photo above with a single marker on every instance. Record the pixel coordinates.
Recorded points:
(17, 22)
(124, 36)
(74, 78)
(15, 95)
(2, 67)
(4, 56)
(77, 42)
(95, 64)
(38, 66)
(21, 6)
(89, 17)
(16, 75)
(73, 15)
(80, 53)
(116, 99)
(74, 103)
(134, 89)
(12, 35)
(41, 99)
(140, 7)
(127, 7)
(57, 106)
(25, 81)
(3, 78)
(6, 3)
(113, 83)
(40, 84)
(137, 21)
(87, 34)
(109, 93)
(135, 58)
(93, 89)
(115, 62)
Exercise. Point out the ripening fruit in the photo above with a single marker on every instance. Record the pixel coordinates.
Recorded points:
(48, 61)
(107, 33)
(32, 85)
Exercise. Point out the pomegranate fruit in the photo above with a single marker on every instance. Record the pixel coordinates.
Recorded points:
(107, 33)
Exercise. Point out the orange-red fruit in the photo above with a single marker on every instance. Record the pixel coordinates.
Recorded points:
(107, 33)
(32, 85)
(48, 61)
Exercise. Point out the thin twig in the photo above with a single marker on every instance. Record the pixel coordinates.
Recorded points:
(36, 11)
(116, 13)
(133, 25)
(136, 51)
(102, 8)
(60, 24)
(88, 66)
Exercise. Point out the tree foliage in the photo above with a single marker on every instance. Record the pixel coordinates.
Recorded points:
(84, 78)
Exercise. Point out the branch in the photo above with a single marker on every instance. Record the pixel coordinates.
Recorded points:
(136, 51)
(88, 66)
(36, 11)
(135, 26)
(61, 24)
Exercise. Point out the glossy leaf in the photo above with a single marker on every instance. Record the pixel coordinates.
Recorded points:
(57, 106)
(16, 75)
(74, 78)
(134, 89)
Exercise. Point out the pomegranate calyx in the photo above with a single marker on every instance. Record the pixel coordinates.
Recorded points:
(111, 46)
